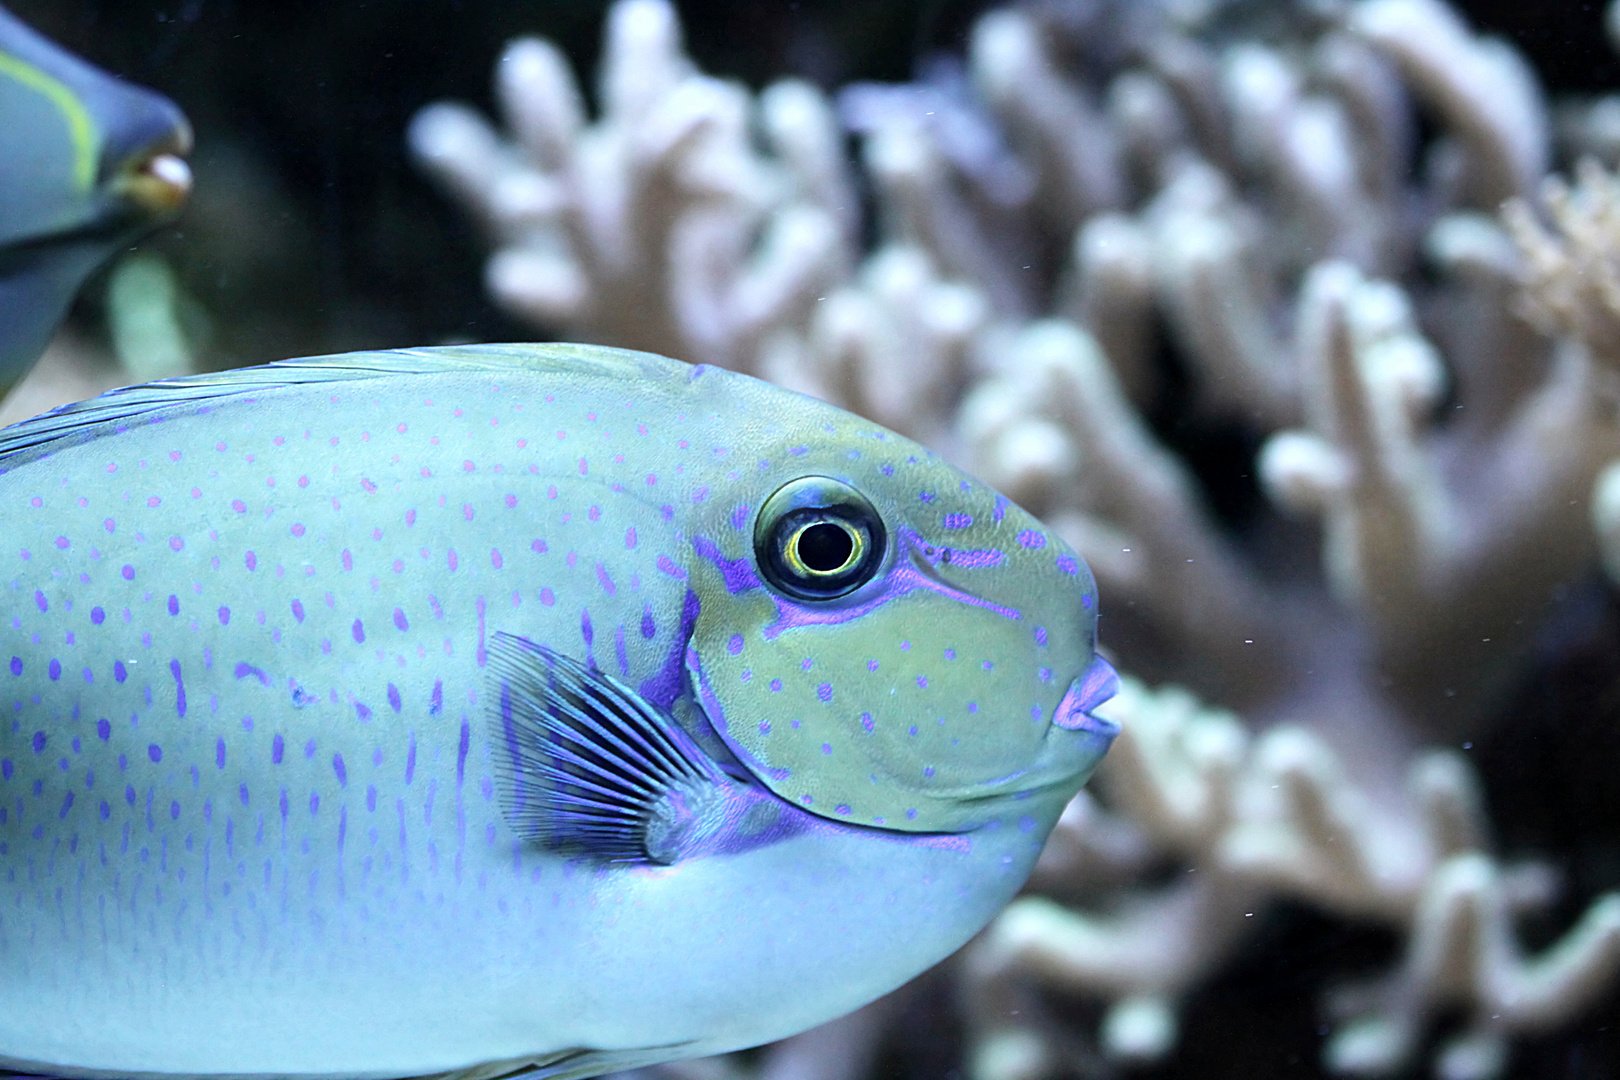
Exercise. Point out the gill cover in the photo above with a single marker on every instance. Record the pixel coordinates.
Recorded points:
(898, 654)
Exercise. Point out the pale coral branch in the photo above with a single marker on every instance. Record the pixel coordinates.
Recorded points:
(1482, 90)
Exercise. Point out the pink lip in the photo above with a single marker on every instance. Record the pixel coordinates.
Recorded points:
(1099, 683)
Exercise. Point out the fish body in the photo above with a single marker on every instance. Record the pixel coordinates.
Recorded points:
(87, 164)
(451, 710)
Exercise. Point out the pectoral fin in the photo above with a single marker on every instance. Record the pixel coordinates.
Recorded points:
(589, 766)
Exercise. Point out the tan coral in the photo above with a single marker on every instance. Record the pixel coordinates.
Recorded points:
(658, 226)
(1250, 821)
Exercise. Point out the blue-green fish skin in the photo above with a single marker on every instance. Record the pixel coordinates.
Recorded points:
(256, 807)
(87, 164)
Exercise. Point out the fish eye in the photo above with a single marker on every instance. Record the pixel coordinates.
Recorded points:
(818, 539)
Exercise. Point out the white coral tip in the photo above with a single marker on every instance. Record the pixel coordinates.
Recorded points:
(1139, 1028)
(1302, 472)
(1606, 518)
(539, 285)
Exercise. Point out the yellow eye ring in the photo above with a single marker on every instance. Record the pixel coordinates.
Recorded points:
(818, 539)
(823, 548)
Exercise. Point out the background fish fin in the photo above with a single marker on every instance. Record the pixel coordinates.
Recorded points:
(587, 764)
(148, 402)
(576, 1064)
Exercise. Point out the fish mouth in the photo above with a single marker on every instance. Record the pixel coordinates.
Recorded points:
(1096, 685)
(156, 179)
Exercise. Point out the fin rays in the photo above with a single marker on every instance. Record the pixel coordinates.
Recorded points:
(588, 761)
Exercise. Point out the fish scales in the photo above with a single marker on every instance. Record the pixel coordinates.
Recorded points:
(263, 808)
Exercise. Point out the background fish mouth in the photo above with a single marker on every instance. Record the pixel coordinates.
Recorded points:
(1096, 685)
(155, 181)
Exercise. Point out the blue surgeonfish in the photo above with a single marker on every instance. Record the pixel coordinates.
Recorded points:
(87, 164)
(509, 710)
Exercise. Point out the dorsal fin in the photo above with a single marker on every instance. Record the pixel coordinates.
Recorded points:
(589, 766)
(147, 401)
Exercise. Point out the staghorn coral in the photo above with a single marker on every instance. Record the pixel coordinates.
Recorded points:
(1279, 226)
(660, 225)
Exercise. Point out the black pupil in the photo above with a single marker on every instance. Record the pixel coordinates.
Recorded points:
(824, 547)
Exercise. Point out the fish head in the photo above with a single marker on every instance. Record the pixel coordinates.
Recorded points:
(88, 162)
(885, 641)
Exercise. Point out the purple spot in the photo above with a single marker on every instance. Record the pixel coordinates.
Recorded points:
(667, 566)
(252, 561)
(67, 804)
(97, 616)
(451, 559)
(155, 752)
(61, 543)
(174, 604)
(224, 616)
(1030, 538)
(55, 669)
(359, 632)
(461, 753)
(400, 620)
(1040, 636)
(738, 574)
(16, 665)
(958, 521)
(826, 748)
(776, 686)
(298, 610)
(219, 754)
(106, 811)
(342, 773)
(120, 673)
(739, 517)
(278, 748)
(175, 543)
(363, 711)
(179, 688)
(436, 699)
(603, 580)
(6, 769)
(128, 572)
(648, 626)
(735, 645)
(39, 742)
(764, 727)
(103, 729)
(174, 811)
(39, 598)
(661, 689)
(824, 691)
(1067, 564)
(410, 759)
(630, 537)
(866, 721)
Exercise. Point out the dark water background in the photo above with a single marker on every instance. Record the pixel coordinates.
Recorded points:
(311, 232)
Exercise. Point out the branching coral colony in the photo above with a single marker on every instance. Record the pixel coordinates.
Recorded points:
(1417, 332)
